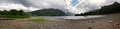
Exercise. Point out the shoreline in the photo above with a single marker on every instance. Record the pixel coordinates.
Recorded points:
(111, 21)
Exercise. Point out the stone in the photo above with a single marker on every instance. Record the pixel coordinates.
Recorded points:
(89, 27)
(110, 21)
(117, 24)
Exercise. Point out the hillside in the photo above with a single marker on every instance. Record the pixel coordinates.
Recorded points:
(48, 12)
(110, 9)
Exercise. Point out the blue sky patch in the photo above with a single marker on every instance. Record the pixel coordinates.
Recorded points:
(74, 3)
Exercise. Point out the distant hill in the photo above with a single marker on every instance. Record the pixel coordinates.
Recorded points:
(110, 9)
(48, 12)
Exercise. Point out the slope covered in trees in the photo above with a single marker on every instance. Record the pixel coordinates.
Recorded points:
(48, 12)
(110, 9)
(13, 13)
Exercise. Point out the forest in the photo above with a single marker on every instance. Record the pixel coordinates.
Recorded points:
(13, 13)
(110, 9)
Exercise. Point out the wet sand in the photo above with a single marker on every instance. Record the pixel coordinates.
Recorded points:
(111, 21)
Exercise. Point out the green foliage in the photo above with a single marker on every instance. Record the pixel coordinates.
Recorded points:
(13, 13)
(48, 12)
(21, 13)
(110, 9)
(11, 16)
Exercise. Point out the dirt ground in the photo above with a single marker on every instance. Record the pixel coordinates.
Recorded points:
(111, 21)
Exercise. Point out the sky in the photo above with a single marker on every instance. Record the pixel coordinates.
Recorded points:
(74, 2)
(72, 6)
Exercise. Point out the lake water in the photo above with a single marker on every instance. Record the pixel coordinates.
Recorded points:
(73, 17)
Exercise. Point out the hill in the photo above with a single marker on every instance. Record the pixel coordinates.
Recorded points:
(48, 12)
(110, 9)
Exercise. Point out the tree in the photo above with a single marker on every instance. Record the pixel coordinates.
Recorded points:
(110, 9)
(1, 12)
(22, 13)
(13, 12)
(5, 12)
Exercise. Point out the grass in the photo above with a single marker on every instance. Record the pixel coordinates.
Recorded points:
(40, 20)
(12, 16)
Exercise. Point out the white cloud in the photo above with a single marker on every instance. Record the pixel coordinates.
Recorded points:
(8, 6)
(88, 5)
(31, 5)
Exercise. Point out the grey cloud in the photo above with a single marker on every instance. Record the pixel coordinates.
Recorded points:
(38, 4)
(86, 5)
(31, 5)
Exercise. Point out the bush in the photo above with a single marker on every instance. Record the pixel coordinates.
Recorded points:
(11, 16)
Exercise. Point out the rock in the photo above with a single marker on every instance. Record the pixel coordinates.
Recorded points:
(40, 26)
(117, 24)
(110, 21)
(89, 27)
(91, 22)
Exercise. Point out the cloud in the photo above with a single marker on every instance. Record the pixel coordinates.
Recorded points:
(64, 5)
(33, 5)
(88, 5)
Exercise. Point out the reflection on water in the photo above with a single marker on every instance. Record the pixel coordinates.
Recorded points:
(72, 17)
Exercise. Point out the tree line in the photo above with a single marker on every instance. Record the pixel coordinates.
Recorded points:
(110, 9)
(13, 12)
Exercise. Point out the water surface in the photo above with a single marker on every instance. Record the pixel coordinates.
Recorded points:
(72, 17)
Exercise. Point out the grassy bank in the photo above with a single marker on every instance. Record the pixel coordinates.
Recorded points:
(13, 16)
